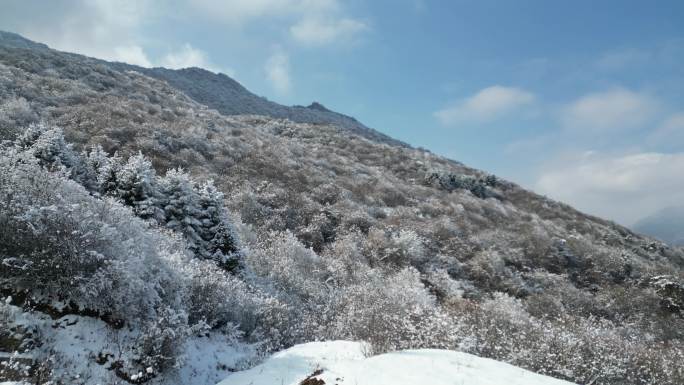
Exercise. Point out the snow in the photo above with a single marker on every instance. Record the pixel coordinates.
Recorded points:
(75, 342)
(209, 359)
(344, 362)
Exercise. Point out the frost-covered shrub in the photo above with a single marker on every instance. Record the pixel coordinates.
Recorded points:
(398, 248)
(337, 295)
(15, 113)
(159, 343)
(218, 298)
(391, 312)
(288, 265)
(451, 182)
(582, 350)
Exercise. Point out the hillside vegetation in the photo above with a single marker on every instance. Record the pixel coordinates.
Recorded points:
(128, 203)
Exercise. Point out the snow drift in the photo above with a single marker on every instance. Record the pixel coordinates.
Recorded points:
(344, 362)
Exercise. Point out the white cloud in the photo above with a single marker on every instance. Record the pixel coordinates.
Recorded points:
(624, 188)
(189, 56)
(99, 28)
(107, 29)
(310, 22)
(488, 104)
(132, 54)
(278, 72)
(615, 109)
(319, 31)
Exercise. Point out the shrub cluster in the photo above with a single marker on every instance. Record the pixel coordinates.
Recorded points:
(480, 187)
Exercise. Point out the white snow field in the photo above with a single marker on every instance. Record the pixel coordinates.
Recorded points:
(344, 362)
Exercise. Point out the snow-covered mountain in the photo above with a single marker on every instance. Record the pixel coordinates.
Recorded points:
(122, 262)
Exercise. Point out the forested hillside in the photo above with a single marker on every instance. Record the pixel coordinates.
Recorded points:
(163, 227)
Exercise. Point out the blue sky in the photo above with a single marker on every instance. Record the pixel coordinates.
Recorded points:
(582, 101)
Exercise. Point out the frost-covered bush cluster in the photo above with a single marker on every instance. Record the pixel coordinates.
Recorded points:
(318, 233)
(450, 182)
(62, 244)
(175, 201)
(585, 350)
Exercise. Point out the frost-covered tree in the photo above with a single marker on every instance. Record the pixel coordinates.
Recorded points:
(47, 144)
(101, 170)
(198, 213)
(136, 187)
(220, 241)
(181, 207)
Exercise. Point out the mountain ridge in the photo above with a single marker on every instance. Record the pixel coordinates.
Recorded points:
(225, 94)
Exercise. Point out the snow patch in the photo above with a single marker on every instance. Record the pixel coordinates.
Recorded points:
(344, 362)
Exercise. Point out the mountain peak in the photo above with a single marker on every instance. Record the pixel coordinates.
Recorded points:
(318, 106)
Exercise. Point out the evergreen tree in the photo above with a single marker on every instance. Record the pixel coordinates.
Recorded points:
(136, 187)
(47, 144)
(182, 208)
(107, 175)
(94, 163)
(217, 231)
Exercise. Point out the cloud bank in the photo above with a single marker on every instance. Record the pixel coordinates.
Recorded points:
(624, 188)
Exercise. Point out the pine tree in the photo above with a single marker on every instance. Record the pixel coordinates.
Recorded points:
(181, 208)
(47, 144)
(217, 231)
(107, 175)
(136, 187)
(94, 164)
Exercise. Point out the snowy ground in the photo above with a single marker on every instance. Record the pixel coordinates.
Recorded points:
(75, 342)
(343, 362)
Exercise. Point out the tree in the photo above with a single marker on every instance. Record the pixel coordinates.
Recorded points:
(181, 207)
(47, 144)
(217, 231)
(136, 187)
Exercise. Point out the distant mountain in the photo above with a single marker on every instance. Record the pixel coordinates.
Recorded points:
(229, 97)
(666, 225)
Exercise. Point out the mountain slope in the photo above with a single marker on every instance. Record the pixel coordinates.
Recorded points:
(358, 239)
